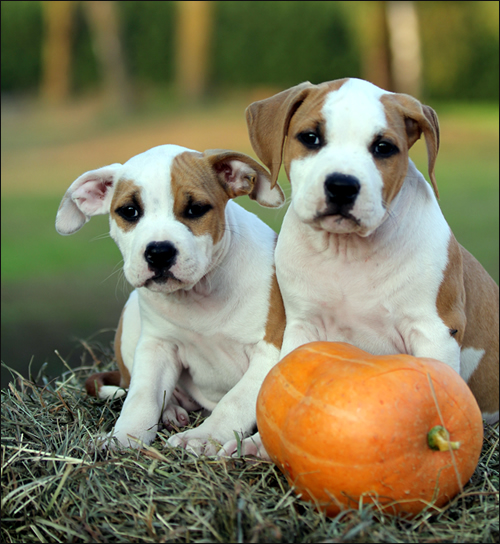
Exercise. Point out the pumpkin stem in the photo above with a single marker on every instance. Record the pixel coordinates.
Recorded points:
(438, 438)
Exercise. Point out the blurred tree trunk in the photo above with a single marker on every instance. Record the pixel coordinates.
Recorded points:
(103, 19)
(194, 32)
(404, 36)
(57, 50)
(370, 22)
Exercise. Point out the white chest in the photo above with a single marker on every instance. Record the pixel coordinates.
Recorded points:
(371, 292)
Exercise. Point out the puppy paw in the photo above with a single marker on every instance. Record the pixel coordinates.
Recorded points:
(197, 443)
(174, 416)
(128, 438)
(246, 447)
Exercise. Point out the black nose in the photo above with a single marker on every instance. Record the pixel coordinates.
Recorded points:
(341, 189)
(160, 255)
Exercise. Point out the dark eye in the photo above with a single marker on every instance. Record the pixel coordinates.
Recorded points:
(130, 213)
(194, 211)
(310, 139)
(382, 149)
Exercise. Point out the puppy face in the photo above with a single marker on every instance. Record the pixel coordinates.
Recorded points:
(167, 210)
(167, 218)
(344, 159)
(345, 149)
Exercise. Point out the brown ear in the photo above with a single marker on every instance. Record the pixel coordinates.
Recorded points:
(419, 118)
(268, 122)
(240, 175)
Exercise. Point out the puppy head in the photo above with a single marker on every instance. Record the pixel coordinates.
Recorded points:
(344, 145)
(167, 210)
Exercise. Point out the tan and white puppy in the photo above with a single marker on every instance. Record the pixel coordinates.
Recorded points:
(365, 255)
(205, 322)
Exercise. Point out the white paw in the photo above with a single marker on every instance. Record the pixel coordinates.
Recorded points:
(128, 437)
(106, 441)
(174, 415)
(248, 446)
(195, 441)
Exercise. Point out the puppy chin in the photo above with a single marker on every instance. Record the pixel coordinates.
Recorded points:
(169, 283)
(338, 224)
(349, 223)
(163, 284)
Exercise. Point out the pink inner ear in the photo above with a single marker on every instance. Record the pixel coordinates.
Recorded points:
(93, 189)
(225, 168)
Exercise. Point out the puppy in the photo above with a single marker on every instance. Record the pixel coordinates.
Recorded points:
(205, 322)
(365, 255)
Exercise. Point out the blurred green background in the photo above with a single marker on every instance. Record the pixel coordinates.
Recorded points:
(86, 84)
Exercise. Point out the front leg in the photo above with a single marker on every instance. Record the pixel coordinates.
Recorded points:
(298, 333)
(154, 375)
(236, 411)
(435, 340)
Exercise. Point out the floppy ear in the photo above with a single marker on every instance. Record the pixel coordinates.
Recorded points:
(419, 118)
(268, 122)
(239, 175)
(88, 195)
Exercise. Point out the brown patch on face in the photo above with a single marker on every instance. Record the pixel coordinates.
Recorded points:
(199, 199)
(482, 331)
(393, 169)
(411, 118)
(275, 324)
(127, 195)
(307, 118)
(269, 120)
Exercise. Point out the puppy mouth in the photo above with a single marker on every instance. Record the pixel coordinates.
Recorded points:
(161, 277)
(339, 215)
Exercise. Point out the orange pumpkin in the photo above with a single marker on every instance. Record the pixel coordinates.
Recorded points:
(345, 426)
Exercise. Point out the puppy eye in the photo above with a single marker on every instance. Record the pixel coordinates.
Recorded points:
(194, 211)
(310, 139)
(130, 213)
(382, 149)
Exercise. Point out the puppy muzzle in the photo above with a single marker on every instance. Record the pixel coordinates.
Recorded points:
(160, 256)
(341, 191)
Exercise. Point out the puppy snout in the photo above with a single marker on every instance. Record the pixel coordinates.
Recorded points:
(160, 255)
(341, 189)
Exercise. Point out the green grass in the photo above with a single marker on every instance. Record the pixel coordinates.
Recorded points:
(32, 249)
(57, 488)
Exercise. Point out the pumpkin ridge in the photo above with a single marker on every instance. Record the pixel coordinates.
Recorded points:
(331, 410)
(392, 371)
(292, 390)
(340, 358)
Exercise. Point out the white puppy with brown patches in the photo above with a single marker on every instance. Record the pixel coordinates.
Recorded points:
(205, 322)
(365, 255)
